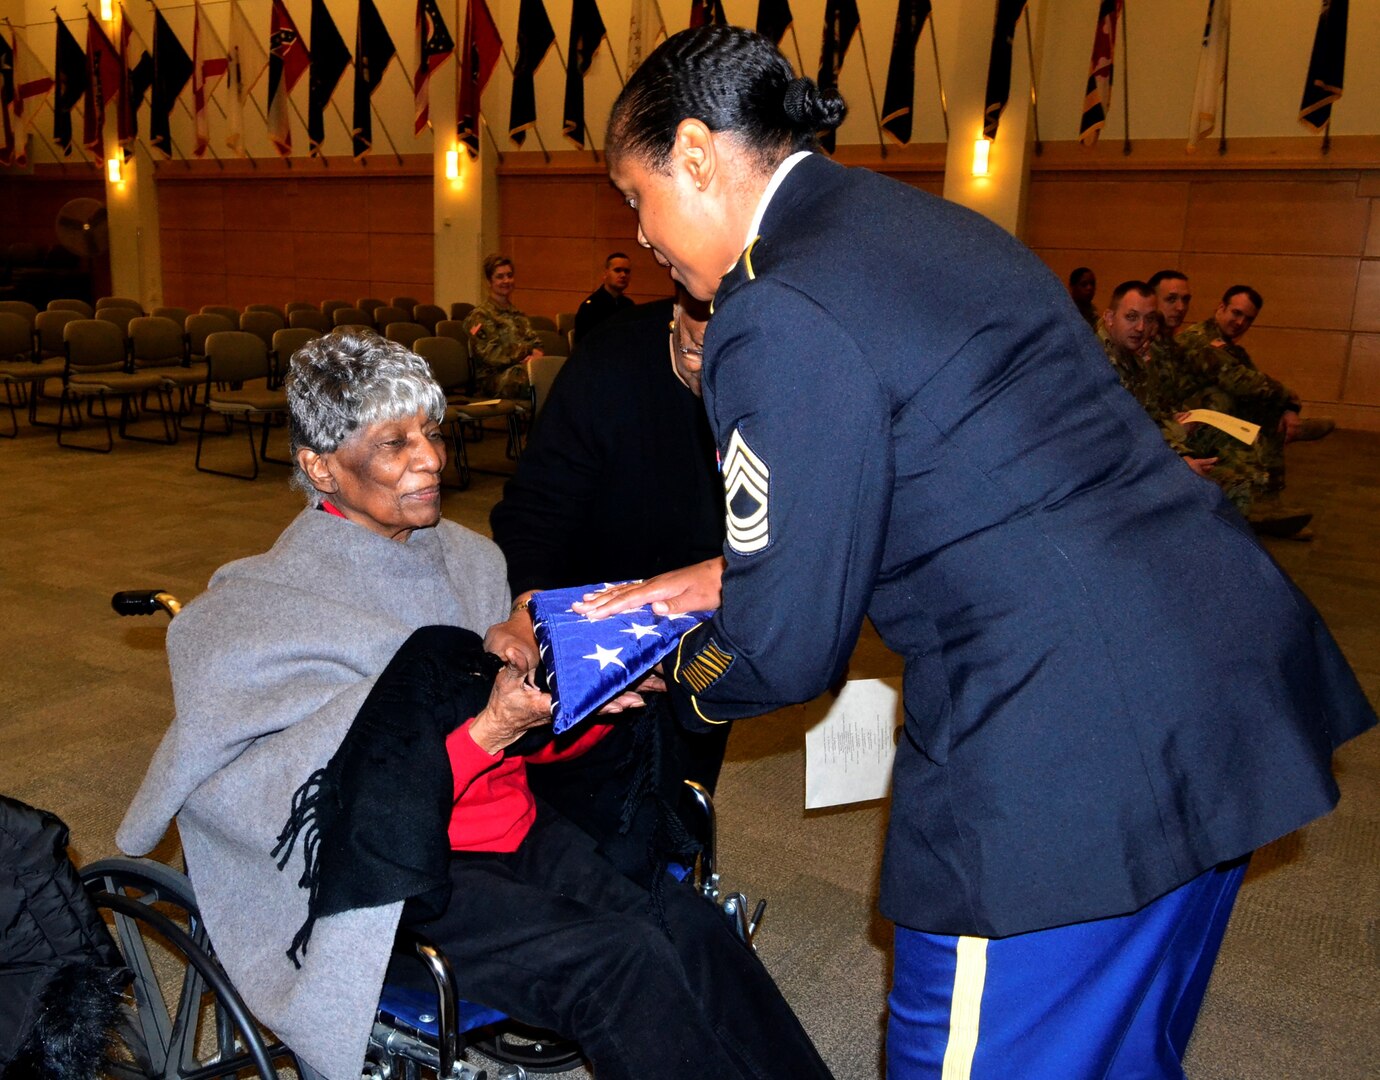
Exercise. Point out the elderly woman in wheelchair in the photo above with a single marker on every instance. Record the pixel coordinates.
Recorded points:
(343, 765)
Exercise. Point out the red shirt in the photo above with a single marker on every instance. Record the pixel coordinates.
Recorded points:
(494, 807)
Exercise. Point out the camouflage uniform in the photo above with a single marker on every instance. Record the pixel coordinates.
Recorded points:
(1163, 380)
(500, 340)
(1240, 388)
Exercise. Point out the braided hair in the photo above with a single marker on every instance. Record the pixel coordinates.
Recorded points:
(730, 79)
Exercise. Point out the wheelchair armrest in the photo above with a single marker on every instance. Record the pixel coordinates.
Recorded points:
(447, 1008)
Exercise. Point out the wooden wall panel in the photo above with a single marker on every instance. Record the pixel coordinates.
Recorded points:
(1363, 372)
(1373, 236)
(242, 240)
(1109, 215)
(1367, 316)
(1312, 363)
(1300, 291)
(1277, 218)
(1111, 267)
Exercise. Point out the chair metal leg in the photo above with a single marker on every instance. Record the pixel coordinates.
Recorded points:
(462, 460)
(72, 404)
(14, 416)
(201, 438)
(263, 445)
(165, 414)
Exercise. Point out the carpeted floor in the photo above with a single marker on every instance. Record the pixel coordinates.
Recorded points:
(84, 698)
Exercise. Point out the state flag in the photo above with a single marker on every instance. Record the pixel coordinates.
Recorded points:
(586, 34)
(136, 81)
(1323, 85)
(707, 13)
(999, 64)
(479, 55)
(247, 63)
(69, 67)
(288, 61)
(590, 662)
(6, 100)
(210, 61)
(899, 100)
(1212, 72)
(642, 31)
(104, 73)
(434, 44)
(840, 24)
(32, 84)
(774, 18)
(534, 40)
(329, 59)
(172, 67)
(374, 51)
(1097, 97)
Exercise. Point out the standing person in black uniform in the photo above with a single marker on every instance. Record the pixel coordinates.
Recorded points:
(1087, 758)
(608, 299)
(618, 480)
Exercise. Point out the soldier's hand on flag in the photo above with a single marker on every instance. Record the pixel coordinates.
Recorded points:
(691, 588)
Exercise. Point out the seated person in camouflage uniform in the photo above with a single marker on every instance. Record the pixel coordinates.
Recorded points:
(1240, 388)
(1162, 387)
(500, 336)
(1172, 297)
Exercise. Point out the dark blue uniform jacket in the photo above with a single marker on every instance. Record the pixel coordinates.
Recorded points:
(1109, 685)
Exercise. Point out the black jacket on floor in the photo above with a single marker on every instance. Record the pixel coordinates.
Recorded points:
(60, 973)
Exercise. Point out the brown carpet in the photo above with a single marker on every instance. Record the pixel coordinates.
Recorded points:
(84, 698)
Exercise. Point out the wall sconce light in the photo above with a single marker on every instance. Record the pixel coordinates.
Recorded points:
(114, 170)
(981, 148)
(107, 10)
(452, 164)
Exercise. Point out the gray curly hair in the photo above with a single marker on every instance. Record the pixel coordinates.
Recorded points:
(348, 380)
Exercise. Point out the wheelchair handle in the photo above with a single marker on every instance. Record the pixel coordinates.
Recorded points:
(145, 602)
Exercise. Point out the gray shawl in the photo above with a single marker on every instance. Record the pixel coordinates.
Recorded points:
(269, 667)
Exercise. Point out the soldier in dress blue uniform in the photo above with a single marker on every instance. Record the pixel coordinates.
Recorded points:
(1087, 759)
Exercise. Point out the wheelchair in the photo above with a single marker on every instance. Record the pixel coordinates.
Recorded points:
(182, 1019)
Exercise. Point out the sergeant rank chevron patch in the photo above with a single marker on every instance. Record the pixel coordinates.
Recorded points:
(746, 483)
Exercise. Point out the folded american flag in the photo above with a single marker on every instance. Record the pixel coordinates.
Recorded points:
(589, 662)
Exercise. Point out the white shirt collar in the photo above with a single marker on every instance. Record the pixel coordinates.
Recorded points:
(782, 171)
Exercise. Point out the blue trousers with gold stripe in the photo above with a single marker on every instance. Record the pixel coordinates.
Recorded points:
(1114, 999)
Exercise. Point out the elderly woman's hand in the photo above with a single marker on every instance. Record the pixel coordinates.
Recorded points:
(515, 705)
(513, 638)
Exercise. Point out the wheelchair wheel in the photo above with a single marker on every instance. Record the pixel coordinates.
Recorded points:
(181, 1017)
(532, 1050)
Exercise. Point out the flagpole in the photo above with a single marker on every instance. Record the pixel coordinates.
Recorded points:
(799, 59)
(1034, 96)
(1125, 84)
(939, 77)
(1226, 69)
(493, 139)
(512, 71)
(871, 90)
(386, 133)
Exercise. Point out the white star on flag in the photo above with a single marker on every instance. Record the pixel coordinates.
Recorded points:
(605, 657)
(640, 630)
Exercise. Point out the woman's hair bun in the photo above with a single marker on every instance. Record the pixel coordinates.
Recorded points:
(811, 109)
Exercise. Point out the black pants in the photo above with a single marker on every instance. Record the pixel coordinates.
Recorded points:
(555, 937)
(591, 790)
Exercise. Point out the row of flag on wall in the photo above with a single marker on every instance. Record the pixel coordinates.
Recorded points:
(1322, 85)
(104, 73)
